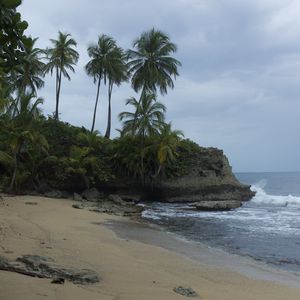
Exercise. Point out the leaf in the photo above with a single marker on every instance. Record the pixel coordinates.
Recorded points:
(5, 159)
(11, 3)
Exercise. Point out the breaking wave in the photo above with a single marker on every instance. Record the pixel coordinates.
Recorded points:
(262, 197)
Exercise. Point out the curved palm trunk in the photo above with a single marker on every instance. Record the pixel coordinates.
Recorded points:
(96, 104)
(13, 179)
(58, 85)
(143, 94)
(108, 129)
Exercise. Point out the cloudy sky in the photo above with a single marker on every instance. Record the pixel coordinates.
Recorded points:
(239, 83)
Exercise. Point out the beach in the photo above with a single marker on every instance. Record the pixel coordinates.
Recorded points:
(129, 267)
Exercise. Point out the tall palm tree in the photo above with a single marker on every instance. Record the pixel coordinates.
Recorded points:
(116, 74)
(151, 64)
(102, 54)
(61, 58)
(30, 72)
(146, 119)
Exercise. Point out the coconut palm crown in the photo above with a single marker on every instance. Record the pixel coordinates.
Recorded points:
(150, 62)
(146, 119)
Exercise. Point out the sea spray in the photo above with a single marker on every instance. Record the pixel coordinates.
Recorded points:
(266, 228)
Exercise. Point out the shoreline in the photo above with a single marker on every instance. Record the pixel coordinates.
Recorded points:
(152, 234)
(129, 268)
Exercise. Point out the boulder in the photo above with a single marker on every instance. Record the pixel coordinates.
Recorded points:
(185, 291)
(130, 199)
(45, 267)
(117, 199)
(54, 194)
(92, 195)
(77, 197)
(217, 205)
(78, 206)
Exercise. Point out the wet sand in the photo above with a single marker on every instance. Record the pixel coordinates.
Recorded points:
(133, 260)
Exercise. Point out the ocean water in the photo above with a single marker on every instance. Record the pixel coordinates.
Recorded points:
(267, 228)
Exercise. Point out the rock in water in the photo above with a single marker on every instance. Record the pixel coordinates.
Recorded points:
(185, 291)
(218, 205)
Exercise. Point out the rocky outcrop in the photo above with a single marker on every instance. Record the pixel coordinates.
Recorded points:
(205, 176)
(112, 204)
(92, 195)
(44, 267)
(209, 178)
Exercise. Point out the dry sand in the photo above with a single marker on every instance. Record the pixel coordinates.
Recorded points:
(129, 269)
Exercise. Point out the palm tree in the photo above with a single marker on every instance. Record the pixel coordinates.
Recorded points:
(61, 58)
(31, 70)
(116, 74)
(168, 141)
(150, 63)
(99, 64)
(21, 129)
(146, 119)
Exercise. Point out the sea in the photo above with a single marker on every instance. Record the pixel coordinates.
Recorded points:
(266, 228)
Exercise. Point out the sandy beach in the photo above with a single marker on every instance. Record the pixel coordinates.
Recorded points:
(129, 268)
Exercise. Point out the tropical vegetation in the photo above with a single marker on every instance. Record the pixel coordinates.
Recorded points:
(38, 151)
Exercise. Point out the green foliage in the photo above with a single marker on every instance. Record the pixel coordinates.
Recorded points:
(187, 150)
(151, 64)
(150, 157)
(12, 38)
(29, 75)
(23, 139)
(77, 158)
(146, 119)
(36, 151)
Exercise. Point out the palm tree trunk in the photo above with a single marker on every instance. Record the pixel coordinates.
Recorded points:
(143, 94)
(110, 87)
(58, 84)
(96, 104)
(56, 95)
(13, 179)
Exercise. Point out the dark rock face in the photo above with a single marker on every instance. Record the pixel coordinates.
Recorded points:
(209, 178)
(217, 205)
(44, 267)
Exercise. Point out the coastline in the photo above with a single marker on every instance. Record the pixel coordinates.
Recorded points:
(132, 262)
(153, 234)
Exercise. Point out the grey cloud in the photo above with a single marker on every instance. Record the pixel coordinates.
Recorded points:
(239, 82)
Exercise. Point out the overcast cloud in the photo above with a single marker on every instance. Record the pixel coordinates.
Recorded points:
(239, 83)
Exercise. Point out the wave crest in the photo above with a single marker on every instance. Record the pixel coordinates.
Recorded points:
(261, 197)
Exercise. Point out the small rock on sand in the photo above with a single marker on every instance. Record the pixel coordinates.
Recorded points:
(185, 291)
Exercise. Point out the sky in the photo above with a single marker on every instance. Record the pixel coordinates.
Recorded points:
(239, 83)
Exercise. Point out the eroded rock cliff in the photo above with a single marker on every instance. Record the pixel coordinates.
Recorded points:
(208, 177)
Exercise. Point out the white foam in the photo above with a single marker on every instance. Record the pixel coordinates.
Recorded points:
(262, 197)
